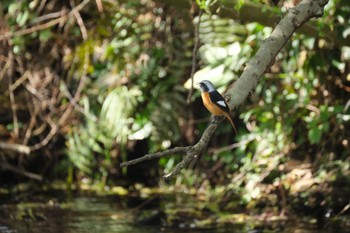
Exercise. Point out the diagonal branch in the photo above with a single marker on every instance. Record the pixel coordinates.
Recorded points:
(269, 49)
(249, 79)
(176, 150)
(191, 152)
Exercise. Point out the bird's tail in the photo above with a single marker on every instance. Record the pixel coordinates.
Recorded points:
(228, 116)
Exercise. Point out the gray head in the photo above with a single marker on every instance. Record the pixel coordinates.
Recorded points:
(206, 86)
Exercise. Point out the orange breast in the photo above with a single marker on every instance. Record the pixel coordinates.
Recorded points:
(210, 105)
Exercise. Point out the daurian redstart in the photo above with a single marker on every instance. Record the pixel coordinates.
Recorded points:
(214, 101)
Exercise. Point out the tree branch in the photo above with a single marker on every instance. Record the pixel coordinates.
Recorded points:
(249, 79)
(265, 15)
(176, 150)
(269, 49)
(190, 151)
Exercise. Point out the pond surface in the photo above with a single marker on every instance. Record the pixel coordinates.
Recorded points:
(80, 214)
(106, 214)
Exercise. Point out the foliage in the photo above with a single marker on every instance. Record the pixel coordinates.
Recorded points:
(116, 80)
(297, 113)
(140, 109)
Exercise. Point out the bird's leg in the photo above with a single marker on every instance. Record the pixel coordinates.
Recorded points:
(216, 119)
(227, 98)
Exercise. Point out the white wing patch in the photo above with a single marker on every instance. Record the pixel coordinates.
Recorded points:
(222, 103)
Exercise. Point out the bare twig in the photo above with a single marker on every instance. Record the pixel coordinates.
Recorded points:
(73, 101)
(173, 151)
(49, 16)
(8, 166)
(46, 140)
(66, 92)
(347, 105)
(19, 81)
(34, 92)
(79, 20)
(194, 55)
(78, 91)
(55, 127)
(43, 26)
(190, 152)
(15, 147)
(13, 107)
(31, 125)
(345, 208)
(42, 5)
(34, 28)
(5, 68)
(249, 79)
(99, 6)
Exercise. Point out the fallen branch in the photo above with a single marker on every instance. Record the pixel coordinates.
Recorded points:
(249, 79)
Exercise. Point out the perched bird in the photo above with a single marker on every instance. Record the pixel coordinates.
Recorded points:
(214, 101)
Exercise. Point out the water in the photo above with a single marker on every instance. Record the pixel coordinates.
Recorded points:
(80, 214)
(105, 214)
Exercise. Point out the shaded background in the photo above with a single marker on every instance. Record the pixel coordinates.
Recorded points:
(85, 85)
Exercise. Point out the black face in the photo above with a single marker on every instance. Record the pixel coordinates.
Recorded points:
(206, 86)
(203, 87)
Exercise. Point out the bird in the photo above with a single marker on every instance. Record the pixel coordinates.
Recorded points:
(214, 101)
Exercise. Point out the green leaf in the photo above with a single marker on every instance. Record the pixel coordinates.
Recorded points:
(339, 65)
(346, 32)
(13, 8)
(202, 4)
(239, 5)
(314, 135)
(45, 35)
(22, 18)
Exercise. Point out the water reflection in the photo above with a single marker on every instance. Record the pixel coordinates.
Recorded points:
(82, 214)
(106, 214)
